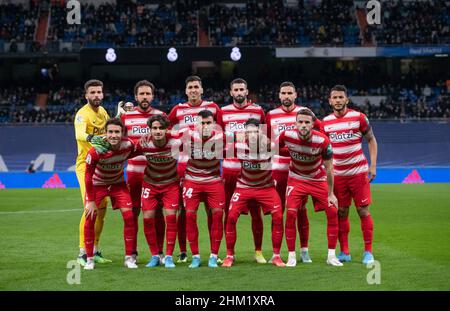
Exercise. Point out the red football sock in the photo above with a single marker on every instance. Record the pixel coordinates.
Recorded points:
(332, 227)
(136, 227)
(192, 232)
(303, 226)
(160, 229)
(129, 231)
(171, 233)
(150, 235)
(344, 229)
(181, 230)
(367, 230)
(257, 225)
(216, 230)
(230, 236)
(210, 220)
(89, 235)
(277, 231)
(291, 233)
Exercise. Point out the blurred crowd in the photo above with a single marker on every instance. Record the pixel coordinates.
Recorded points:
(17, 105)
(253, 22)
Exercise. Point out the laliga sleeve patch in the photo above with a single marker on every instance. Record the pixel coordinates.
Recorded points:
(88, 159)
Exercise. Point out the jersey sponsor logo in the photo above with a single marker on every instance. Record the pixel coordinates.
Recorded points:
(203, 154)
(139, 130)
(256, 165)
(98, 131)
(301, 157)
(285, 127)
(236, 126)
(338, 137)
(111, 166)
(158, 159)
(251, 165)
(190, 119)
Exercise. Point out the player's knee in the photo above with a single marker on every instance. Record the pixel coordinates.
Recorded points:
(291, 216)
(363, 211)
(277, 217)
(128, 216)
(331, 212)
(343, 212)
(149, 214)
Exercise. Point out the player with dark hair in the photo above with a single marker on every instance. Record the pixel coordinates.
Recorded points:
(255, 183)
(105, 177)
(205, 148)
(310, 173)
(89, 125)
(346, 128)
(234, 117)
(278, 120)
(161, 185)
(185, 116)
(135, 122)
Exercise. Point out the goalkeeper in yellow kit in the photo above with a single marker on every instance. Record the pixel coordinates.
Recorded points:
(89, 126)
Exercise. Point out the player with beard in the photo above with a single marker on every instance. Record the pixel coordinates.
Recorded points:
(278, 120)
(346, 129)
(234, 117)
(89, 125)
(135, 122)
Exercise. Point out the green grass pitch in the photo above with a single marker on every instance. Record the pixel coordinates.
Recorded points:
(39, 235)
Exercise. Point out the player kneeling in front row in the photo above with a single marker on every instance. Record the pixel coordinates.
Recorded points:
(310, 173)
(104, 177)
(255, 183)
(161, 184)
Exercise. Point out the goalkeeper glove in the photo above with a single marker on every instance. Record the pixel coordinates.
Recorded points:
(100, 144)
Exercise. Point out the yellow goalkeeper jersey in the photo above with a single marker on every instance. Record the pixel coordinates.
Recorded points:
(88, 122)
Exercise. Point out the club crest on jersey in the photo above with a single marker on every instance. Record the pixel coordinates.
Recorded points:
(136, 129)
(190, 119)
(337, 137)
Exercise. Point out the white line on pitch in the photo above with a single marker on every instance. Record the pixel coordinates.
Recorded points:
(43, 211)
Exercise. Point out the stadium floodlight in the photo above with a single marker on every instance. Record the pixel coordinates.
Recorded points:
(172, 55)
(110, 55)
(235, 54)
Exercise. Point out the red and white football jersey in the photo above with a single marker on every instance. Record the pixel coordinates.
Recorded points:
(307, 155)
(136, 123)
(234, 118)
(279, 120)
(346, 134)
(204, 156)
(161, 168)
(256, 170)
(184, 115)
(107, 168)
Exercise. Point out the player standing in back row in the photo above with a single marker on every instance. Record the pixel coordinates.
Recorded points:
(346, 128)
(234, 117)
(182, 116)
(278, 120)
(135, 122)
(89, 124)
